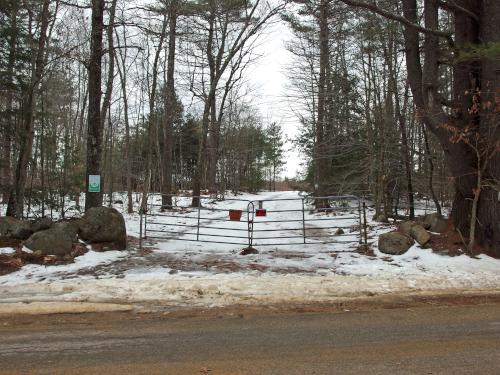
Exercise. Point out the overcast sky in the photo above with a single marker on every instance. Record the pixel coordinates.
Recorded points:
(269, 78)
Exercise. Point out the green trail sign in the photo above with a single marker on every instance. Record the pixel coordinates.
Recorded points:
(94, 183)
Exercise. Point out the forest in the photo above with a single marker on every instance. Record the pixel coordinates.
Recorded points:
(397, 101)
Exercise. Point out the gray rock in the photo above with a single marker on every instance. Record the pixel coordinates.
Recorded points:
(394, 243)
(339, 232)
(15, 228)
(435, 223)
(419, 234)
(381, 218)
(248, 251)
(41, 224)
(405, 227)
(68, 227)
(5, 225)
(53, 241)
(104, 224)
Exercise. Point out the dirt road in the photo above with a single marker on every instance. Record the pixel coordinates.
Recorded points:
(410, 340)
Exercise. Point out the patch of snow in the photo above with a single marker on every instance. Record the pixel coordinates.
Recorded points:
(51, 273)
(212, 274)
(27, 250)
(37, 308)
(7, 250)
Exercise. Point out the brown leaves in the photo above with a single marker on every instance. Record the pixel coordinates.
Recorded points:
(9, 264)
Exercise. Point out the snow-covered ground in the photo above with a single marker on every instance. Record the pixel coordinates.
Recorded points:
(180, 273)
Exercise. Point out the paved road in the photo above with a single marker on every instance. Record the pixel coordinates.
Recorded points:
(423, 340)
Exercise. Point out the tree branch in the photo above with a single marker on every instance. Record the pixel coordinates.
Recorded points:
(395, 17)
(451, 5)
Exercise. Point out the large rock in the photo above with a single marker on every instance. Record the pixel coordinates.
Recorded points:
(405, 227)
(71, 228)
(104, 224)
(339, 232)
(381, 218)
(41, 224)
(54, 241)
(15, 228)
(435, 223)
(419, 234)
(394, 243)
(5, 225)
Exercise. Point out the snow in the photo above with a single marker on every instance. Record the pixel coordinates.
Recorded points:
(37, 308)
(7, 250)
(180, 273)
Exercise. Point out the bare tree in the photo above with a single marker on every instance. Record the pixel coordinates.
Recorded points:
(16, 200)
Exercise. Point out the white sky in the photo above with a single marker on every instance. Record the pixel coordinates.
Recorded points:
(269, 78)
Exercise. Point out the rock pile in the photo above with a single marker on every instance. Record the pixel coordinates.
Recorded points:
(51, 242)
(399, 242)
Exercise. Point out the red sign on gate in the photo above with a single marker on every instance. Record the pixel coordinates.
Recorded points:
(261, 212)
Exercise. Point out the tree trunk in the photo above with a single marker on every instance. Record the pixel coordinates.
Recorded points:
(9, 126)
(152, 119)
(320, 154)
(170, 110)
(16, 201)
(488, 231)
(472, 78)
(128, 161)
(195, 202)
(95, 125)
(106, 103)
(431, 172)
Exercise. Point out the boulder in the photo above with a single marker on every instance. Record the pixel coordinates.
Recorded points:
(405, 227)
(5, 225)
(41, 224)
(14, 228)
(53, 241)
(435, 223)
(381, 218)
(339, 232)
(104, 224)
(71, 228)
(249, 250)
(419, 234)
(394, 243)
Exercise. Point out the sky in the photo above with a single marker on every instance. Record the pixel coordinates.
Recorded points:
(270, 81)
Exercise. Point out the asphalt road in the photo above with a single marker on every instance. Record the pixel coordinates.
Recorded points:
(422, 340)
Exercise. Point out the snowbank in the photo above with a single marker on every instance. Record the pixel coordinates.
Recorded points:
(200, 274)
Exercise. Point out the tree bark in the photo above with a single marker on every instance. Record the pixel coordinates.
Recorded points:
(9, 126)
(152, 118)
(471, 77)
(95, 125)
(111, 64)
(16, 200)
(320, 154)
(170, 109)
(128, 161)
(431, 172)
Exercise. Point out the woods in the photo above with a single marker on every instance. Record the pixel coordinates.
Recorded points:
(396, 101)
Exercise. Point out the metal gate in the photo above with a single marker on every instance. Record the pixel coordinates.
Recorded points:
(256, 223)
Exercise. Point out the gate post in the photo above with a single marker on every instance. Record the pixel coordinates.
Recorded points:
(198, 224)
(303, 221)
(364, 219)
(140, 230)
(250, 223)
(360, 222)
